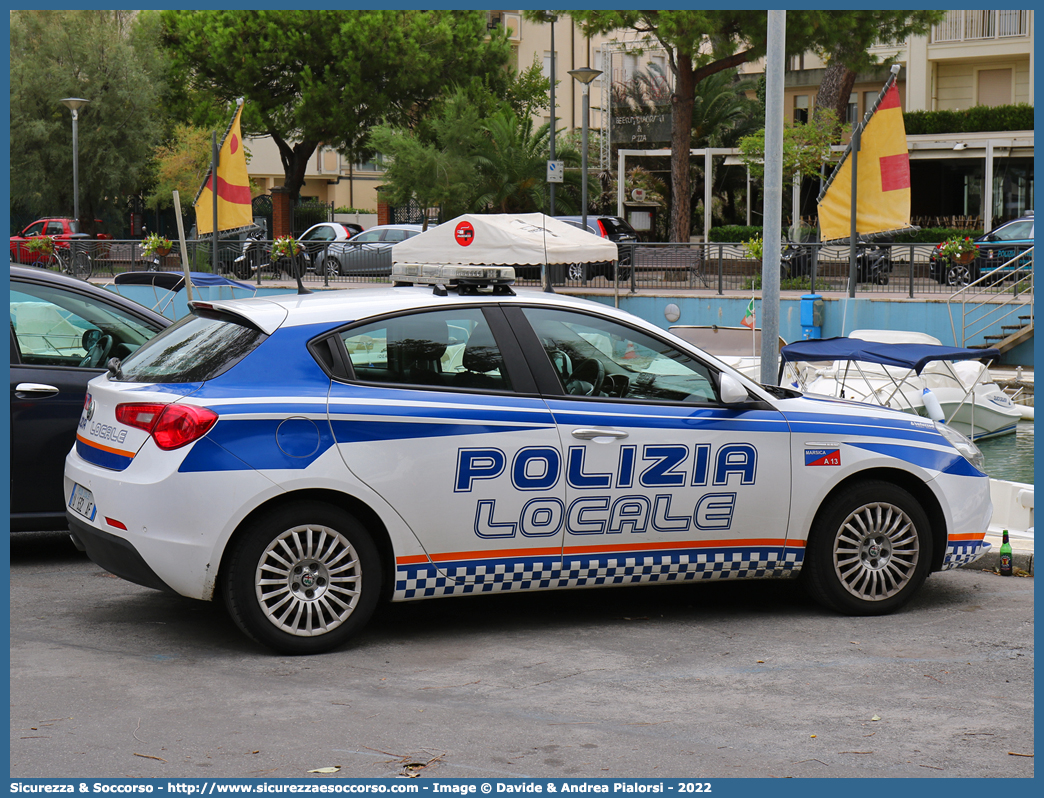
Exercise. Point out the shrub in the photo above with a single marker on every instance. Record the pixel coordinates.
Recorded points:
(932, 235)
(977, 119)
(729, 233)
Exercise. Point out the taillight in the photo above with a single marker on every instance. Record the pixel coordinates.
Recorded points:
(602, 228)
(171, 426)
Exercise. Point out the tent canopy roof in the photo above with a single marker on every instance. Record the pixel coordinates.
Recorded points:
(912, 356)
(504, 239)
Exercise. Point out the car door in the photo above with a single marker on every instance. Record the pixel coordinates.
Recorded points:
(441, 418)
(1004, 243)
(662, 480)
(55, 334)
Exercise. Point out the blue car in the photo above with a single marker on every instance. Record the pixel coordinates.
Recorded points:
(999, 247)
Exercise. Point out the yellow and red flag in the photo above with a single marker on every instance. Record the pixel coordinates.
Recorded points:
(883, 185)
(233, 186)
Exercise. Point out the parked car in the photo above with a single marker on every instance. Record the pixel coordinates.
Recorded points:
(60, 228)
(62, 333)
(615, 229)
(998, 247)
(319, 238)
(454, 438)
(368, 253)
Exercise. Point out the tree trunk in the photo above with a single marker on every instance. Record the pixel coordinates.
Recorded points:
(682, 101)
(295, 162)
(835, 90)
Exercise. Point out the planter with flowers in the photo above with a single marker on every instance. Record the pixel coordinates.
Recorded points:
(285, 247)
(960, 249)
(155, 244)
(39, 249)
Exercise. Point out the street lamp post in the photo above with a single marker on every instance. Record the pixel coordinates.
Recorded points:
(74, 104)
(585, 75)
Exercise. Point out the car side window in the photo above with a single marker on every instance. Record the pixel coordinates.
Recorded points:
(34, 229)
(367, 237)
(1015, 231)
(395, 235)
(54, 228)
(59, 328)
(597, 357)
(441, 349)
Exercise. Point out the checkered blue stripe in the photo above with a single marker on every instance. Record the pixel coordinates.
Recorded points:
(424, 580)
(960, 553)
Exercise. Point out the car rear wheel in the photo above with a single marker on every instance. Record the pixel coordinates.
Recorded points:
(303, 579)
(869, 550)
(577, 272)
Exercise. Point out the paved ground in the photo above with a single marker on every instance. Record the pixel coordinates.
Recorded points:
(704, 681)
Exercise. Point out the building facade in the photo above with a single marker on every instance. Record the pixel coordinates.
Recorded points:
(982, 57)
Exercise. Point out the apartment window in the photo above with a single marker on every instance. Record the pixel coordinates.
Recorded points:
(547, 66)
(800, 109)
(994, 86)
(852, 116)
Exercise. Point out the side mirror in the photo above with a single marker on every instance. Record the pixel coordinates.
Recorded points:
(732, 390)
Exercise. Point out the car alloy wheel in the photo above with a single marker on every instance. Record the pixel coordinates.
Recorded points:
(577, 272)
(958, 274)
(303, 580)
(869, 550)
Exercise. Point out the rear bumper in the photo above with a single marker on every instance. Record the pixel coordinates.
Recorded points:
(115, 555)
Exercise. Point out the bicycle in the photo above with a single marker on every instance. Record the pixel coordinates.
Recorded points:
(75, 264)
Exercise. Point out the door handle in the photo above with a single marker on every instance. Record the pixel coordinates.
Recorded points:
(593, 434)
(34, 390)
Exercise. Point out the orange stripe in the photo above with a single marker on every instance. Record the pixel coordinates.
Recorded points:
(489, 554)
(108, 449)
(969, 536)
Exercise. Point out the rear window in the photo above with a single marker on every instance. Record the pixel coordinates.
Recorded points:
(616, 227)
(199, 347)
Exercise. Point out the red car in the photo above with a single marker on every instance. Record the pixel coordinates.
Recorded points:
(61, 229)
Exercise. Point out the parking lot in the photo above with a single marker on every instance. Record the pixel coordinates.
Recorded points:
(750, 679)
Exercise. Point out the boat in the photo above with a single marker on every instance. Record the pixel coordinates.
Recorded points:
(906, 372)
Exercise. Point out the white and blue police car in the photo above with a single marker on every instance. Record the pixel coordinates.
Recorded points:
(303, 457)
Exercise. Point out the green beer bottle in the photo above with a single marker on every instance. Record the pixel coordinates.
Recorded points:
(1005, 555)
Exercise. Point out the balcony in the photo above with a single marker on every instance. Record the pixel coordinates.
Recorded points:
(968, 26)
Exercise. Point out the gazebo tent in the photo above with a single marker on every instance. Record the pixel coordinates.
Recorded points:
(505, 239)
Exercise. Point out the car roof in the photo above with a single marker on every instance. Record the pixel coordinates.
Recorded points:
(351, 304)
(43, 277)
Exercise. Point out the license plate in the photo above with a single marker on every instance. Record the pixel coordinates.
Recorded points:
(82, 502)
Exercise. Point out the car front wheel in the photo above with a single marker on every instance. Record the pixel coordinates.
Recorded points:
(958, 275)
(869, 550)
(303, 579)
(331, 267)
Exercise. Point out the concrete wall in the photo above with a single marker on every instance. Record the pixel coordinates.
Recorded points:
(840, 316)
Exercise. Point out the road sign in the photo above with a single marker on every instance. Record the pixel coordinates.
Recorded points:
(555, 171)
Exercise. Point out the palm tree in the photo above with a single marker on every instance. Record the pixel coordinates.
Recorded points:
(512, 162)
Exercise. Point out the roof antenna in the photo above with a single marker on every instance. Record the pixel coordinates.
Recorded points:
(299, 267)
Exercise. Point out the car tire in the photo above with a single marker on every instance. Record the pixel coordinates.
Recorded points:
(869, 550)
(959, 274)
(302, 579)
(331, 267)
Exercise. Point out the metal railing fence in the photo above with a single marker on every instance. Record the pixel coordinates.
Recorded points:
(722, 268)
